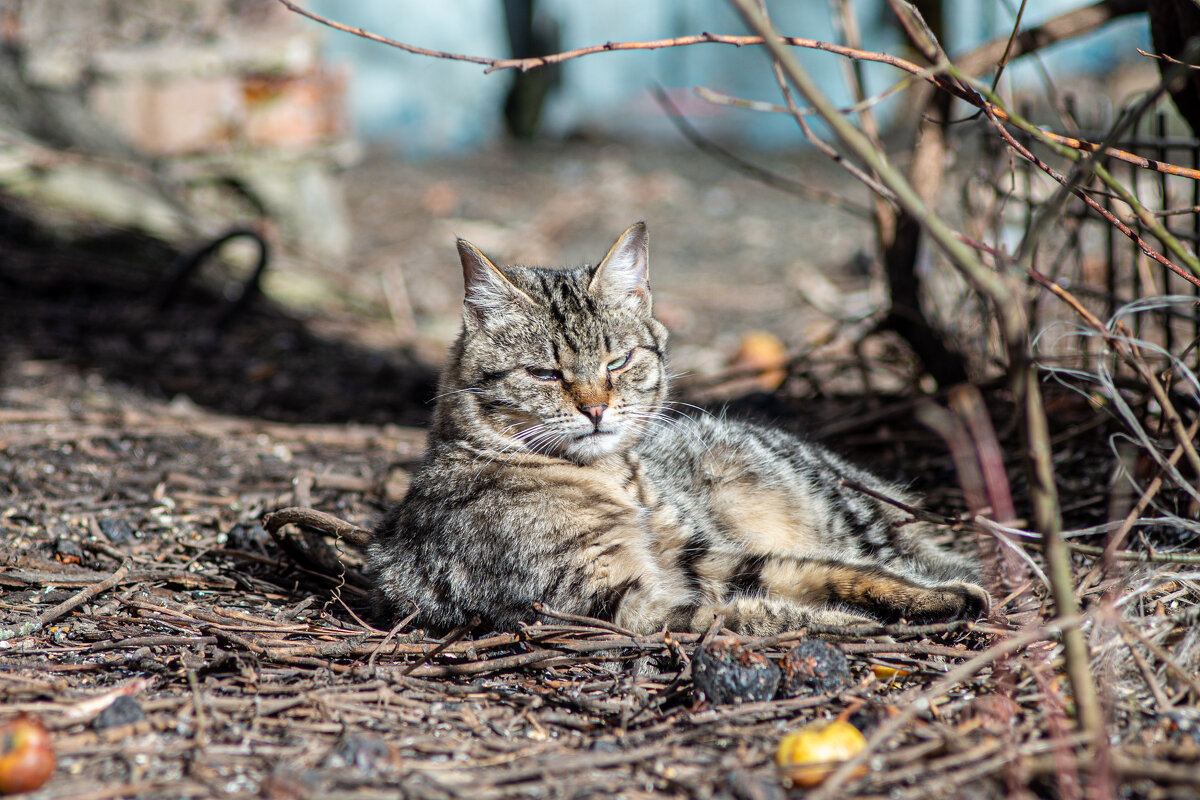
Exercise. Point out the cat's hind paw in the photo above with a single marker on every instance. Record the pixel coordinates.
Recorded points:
(950, 601)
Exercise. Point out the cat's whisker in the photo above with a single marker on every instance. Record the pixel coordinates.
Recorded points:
(535, 441)
(703, 411)
(553, 444)
(467, 390)
(531, 431)
(665, 423)
(663, 419)
(550, 439)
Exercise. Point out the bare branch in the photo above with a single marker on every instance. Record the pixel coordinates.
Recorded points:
(750, 169)
(526, 64)
(1060, 28)
(375, 37)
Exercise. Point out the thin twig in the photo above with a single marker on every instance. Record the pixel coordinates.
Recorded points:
(526, 64)
(546, 610)
(1111, 218)
(317, 520)
(1131, 357)
(399, 626)
(749, 168)
(914, 511)
(450, 639)
(67, 606)
(1161, 654)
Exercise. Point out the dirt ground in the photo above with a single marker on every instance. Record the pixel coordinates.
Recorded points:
(140, 447)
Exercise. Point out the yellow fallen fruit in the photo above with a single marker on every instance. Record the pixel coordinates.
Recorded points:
(762, 351)
(886, 673)
(809, 755)
(26, 755)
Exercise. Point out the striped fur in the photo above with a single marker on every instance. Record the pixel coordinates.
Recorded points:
(556, 474)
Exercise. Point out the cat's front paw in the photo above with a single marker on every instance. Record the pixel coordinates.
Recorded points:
(950, 601)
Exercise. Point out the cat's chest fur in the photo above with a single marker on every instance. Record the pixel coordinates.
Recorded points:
(628, 531)
(607, 519)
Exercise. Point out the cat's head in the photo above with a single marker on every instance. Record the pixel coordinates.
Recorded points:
(563, 362)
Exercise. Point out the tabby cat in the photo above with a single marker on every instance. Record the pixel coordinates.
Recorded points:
(555, 474)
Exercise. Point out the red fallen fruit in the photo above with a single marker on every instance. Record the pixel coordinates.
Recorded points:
(26, 755)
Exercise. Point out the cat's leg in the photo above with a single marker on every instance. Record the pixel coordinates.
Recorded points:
(767, 616)
(644, 607)
(648, 606)
(883, 594)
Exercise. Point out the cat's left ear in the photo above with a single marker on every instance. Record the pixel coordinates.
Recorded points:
(487, 290)
(625, 271)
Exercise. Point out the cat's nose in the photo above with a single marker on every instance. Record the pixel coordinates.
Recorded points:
(594, 412)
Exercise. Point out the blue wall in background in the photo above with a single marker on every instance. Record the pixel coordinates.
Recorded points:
(426, 106)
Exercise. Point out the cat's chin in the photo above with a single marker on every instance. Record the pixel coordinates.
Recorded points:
(592, 447)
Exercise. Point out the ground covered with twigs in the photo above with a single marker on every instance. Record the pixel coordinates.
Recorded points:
(173, 647)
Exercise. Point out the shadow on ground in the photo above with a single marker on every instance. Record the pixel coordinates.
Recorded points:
(92, 303)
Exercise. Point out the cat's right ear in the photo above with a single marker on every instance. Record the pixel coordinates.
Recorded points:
(487, 290)
(624, 274)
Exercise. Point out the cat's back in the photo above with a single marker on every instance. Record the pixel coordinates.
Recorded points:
(698, 449)
(766, 489)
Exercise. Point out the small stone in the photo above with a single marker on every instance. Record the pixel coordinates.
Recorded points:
(367, 754)
(814, 667)
(118, 531)
(744, 785)
(68, 551)
(124, 711)
(247, 537)
(1183, 724)
(726, 672)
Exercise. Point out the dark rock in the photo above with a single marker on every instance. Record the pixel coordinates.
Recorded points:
(814, 667)
(743, 785)
(68, 551)
(123, 711)
(869, 717)
(117, 531)
(367, 754)
(248, 537)
(1183, 724)
(726, 672)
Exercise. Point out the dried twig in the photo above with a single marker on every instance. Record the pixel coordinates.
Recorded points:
(525, 64)
(316, 520)
(914, 511)
(451, 638)
(67, 606)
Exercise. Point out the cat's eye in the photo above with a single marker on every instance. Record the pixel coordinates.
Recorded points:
(618, 363)
(545, 374)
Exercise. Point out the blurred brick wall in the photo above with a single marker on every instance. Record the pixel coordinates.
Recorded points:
(184, 76)
(218, 88)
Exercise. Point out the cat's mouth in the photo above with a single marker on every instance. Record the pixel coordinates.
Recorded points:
(586, 448)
